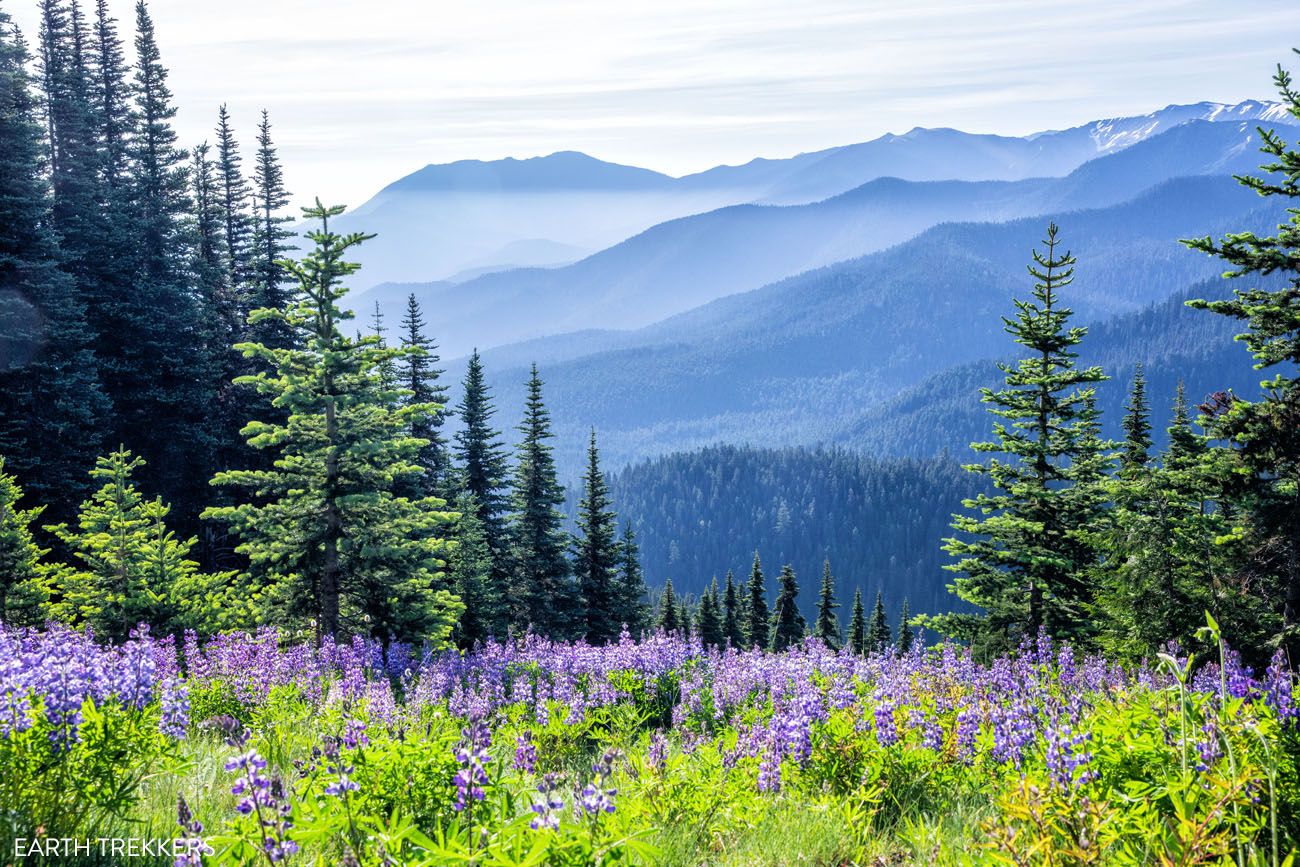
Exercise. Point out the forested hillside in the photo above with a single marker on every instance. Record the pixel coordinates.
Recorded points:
(1174, 344)
(879, 523)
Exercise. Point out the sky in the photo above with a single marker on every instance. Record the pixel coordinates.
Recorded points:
(362, 93)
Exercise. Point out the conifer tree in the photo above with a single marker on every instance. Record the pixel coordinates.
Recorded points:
(270, 239)
(327, 539)
(1172, 551)
(828, 624)
(133, 569)
(788, 625)
(685, 622)
(596, 553)
(709, 621)
(543, 595)
(668, 618)
(757, 618)
(858, 625)
(733, 626)
(630, 590)
(419, 375)
(1266, 432)
(51, 405)
(482, 465)
(904, 640)
(878, 637)
(1137, 426)
(22, 595)
(470, 566)
(233, 196)
(160, 407)
(1025, 559)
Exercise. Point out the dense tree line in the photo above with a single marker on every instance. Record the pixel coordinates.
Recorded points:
(296, 475)
(880, 523)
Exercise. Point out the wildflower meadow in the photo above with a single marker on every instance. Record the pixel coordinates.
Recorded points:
(248, 749)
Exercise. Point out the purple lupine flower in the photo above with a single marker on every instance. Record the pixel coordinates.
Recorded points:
(1278, 689)
(657, 754)
(174, 703)
(472, 756)
(548, 809)
(886, 726)
(1067, 758)
(1208, 749)
(596, 797)
(525, 753)
(968, 729)
(191, 839)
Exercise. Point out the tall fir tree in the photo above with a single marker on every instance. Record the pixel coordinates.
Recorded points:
(233, 195)
(328, 541)
(270, 239)
(788, 625)
(878, 631)
(709, 622)
(22, 595)
(595, 554)
(757, 617)
(630, 592)
(160, 408)
(878, 637)
(1137, 426)
(419, 374)
(1265, 432)
(858, 625)
(828, 624)
(733, 626)
(1024, 558)
(668, 616)
(905, 636)
(51, 406)
(481, 460)
(543, 594)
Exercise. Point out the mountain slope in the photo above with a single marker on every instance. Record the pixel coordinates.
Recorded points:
(796, 361)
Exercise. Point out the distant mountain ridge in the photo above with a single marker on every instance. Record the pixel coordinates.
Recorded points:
(684, 263)
(445, 219)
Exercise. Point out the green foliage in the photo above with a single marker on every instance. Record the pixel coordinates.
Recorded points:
(709, 622)
(419, 376)
(470, 568)
(51, 404)
(1264, 484)
(1025, 557)
(22, 594)
(733, 627)
(328, 540)
(132, 569)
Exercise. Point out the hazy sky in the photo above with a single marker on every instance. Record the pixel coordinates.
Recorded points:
(363, 92)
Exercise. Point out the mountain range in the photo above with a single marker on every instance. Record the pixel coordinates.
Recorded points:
(443, 220)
